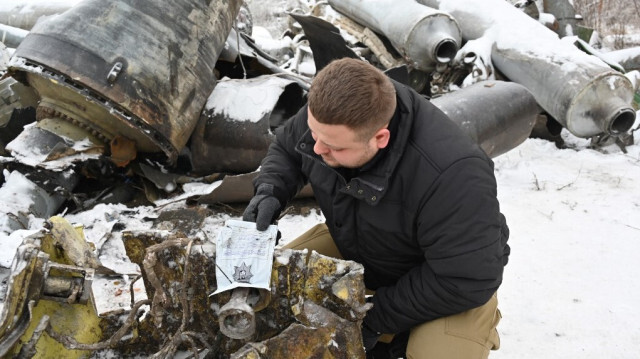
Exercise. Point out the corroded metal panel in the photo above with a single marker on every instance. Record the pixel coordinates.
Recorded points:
(148, 66)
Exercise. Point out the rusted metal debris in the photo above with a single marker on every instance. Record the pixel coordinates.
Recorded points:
(405, 23)
(591, 99)
(118, 83)
(109, 118)
(314, 298)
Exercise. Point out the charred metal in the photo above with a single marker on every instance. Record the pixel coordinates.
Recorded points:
(129, 101)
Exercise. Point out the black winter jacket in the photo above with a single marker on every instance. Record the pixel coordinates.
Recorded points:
(424, 221)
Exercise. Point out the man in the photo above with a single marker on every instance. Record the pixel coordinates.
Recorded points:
(406, 194)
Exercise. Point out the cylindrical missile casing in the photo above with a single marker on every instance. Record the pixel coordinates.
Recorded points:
(139, 69)
(579, 90)
(233, 133)
(498, 115)
(12, 36)
(24, 14)
(422, 35)
(588, 101)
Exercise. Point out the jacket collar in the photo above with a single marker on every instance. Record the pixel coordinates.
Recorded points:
(371, 182)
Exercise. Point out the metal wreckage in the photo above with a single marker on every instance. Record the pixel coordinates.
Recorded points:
(122, 101)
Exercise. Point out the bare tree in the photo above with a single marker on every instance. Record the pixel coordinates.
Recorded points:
(613, 18)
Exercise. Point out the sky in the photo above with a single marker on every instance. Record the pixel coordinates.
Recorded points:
(572, 285)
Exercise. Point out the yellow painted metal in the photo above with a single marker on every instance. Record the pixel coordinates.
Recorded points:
(64, 244)
(74, 320)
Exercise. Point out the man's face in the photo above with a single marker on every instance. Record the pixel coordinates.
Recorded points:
(340, 146)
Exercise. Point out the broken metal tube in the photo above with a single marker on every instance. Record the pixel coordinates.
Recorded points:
(236, 318)
(137, 69)
(24, 14)
(62, 287)
(497, 115)
(12, 36)
(422, 35)
(579, 90)
(588, 101)
(233, 133)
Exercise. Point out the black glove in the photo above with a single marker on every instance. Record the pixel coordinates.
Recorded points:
(369, 337)
(263, 208)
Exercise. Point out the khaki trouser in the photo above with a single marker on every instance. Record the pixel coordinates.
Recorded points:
(468, 335)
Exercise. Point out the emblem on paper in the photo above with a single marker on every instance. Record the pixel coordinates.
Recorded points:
(242, 273)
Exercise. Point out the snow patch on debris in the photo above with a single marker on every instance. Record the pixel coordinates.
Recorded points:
(244, 100)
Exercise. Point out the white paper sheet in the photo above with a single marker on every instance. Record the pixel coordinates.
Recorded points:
(244, 256)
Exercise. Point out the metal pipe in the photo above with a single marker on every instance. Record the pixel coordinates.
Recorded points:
(236, 318)
(591, 101)
(24, 14)
(565, 14)
(139, 69)
(497, 115)
(12, 36)
(234, 130)
(628, 58)
(579, 90)
(25, 199)
(423, 36)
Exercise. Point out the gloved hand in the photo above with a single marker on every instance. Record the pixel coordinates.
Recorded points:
(263, 208)
(369, 338)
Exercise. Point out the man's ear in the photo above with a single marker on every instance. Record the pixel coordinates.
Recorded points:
(382, 137)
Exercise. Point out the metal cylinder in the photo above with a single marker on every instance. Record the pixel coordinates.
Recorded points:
(588, 101)
(24, 199)
(4, 57)
(233, 133)
(565, 13)
(236, 318)
(498, 115)
(579, 90)
(12, 36)
(24, 14)
(138, 69)
(423, 36)
(628, 58)
(62, 287)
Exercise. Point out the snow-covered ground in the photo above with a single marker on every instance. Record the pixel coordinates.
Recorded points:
(572, 285)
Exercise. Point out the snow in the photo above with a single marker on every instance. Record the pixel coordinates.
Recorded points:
(570, 289)
(245, 100)
(491, 19)
(28, 6)
(572, 285)
(619, 56)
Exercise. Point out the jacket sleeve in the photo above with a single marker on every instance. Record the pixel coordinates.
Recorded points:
(281, 166)
(463, 238)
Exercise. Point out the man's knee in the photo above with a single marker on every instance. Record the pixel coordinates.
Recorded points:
(318, 239)
(471, 334)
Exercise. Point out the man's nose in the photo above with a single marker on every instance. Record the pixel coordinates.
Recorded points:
(319, 148)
